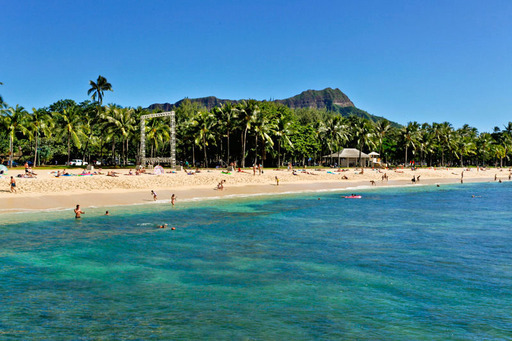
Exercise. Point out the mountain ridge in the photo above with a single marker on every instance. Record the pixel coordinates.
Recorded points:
(329, 99)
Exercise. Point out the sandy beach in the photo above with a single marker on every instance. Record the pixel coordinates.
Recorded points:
(49, 192)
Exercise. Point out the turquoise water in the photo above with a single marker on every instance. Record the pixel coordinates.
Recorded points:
(399, 264)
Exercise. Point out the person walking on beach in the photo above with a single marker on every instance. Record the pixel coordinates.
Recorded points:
(277, 181)
(153, 194)
(78, 212)
(173, 199)
(13, 185)
(254, 169)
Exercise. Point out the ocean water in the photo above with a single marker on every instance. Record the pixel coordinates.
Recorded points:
(412, 263)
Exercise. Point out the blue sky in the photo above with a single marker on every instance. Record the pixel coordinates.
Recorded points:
(426, 61)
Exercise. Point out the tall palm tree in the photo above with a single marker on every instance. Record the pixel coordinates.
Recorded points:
(205, 122)
(157, 133)
(263, 128)
(37, 122)
(98, 89)
(122, 123)
(410, 137)
(484, 144)
(499, 152)
(381, 130)
(444, 134)
(14, 121)
(227, 116)
(71, 119)
(464, 142)
(426, 142)
(363, 134)
(334, 131)
(248, 111)
(283, 130)
(506, 142)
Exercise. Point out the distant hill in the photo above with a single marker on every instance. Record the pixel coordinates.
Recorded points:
(328, 99)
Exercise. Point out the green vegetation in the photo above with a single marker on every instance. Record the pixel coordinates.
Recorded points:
(246, 132)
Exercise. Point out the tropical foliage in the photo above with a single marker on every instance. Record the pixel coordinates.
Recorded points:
(247, 132)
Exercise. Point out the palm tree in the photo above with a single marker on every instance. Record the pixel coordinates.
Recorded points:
(38, 121)
(14, 121)
(227, 119)
(248, 111)
(72, 126)
(484, 144)
(205, 122)
(334, 131)
(410, 137)
(363, 133)
(445, 138)
(464, 142)
(506, 142)
(381, 130)
(122, 123)
(499, 152)
(283, 130)
(263, 127)
(157, 132)
(98, 89)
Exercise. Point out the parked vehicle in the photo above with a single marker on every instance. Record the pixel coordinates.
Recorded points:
(78, 162)
(14, 164)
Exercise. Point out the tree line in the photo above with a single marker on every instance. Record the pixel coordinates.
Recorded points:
(248, 132)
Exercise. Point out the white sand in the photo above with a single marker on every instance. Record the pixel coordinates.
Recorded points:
(46, 191)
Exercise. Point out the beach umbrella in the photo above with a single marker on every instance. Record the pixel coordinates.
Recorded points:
(158, 170)
(3, 169)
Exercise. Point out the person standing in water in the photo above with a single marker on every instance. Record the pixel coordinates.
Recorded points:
(153, 193)
(173, 199)
(78, 212)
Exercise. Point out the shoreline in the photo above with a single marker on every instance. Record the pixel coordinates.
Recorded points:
(39, 202)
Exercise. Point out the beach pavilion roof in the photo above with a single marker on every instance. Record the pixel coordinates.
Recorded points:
(374, 154)
(348, 153)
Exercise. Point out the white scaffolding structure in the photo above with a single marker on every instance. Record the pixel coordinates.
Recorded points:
(172, 126)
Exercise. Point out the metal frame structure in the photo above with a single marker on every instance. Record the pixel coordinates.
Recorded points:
(153, 160)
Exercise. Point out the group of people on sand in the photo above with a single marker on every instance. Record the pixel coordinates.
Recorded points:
(415, 179)
(258, 167)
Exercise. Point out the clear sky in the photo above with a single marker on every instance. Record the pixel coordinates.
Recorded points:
(426, 61)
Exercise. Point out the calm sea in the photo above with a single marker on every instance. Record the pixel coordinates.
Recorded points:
(399, 264)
